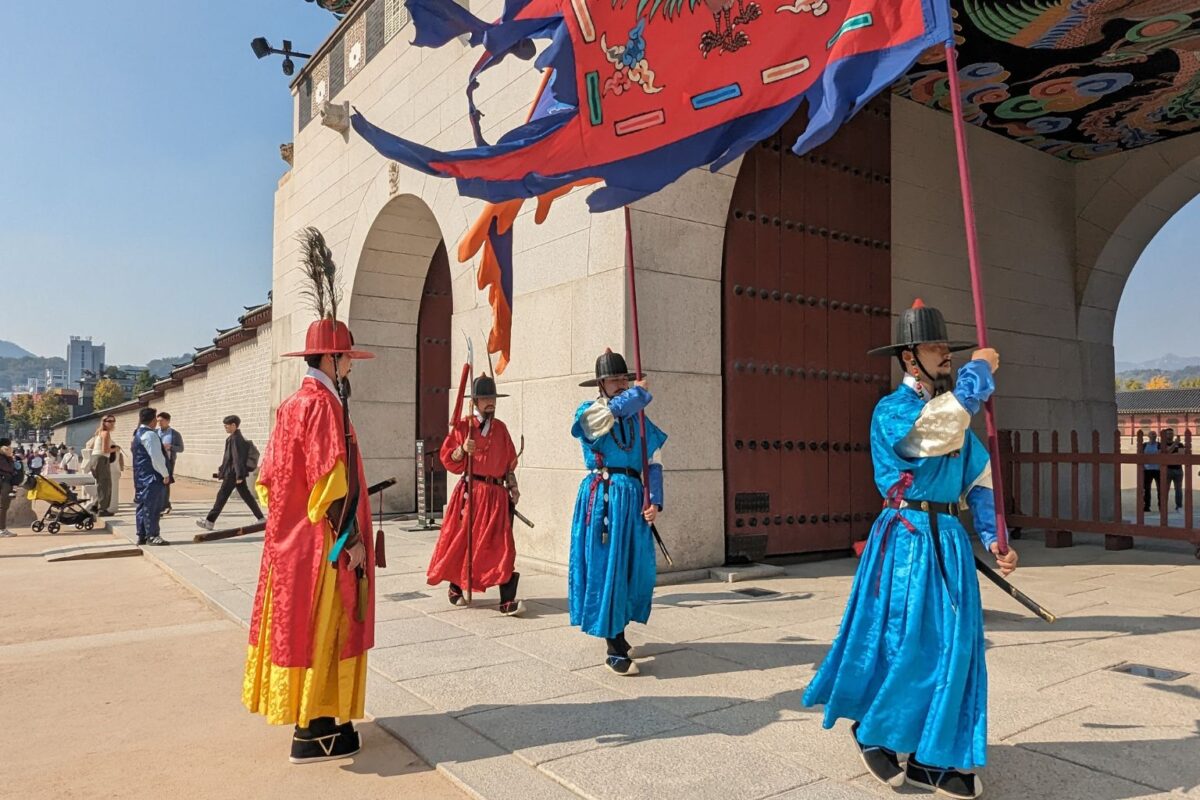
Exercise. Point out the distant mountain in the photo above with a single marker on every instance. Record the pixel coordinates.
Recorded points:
(11, 350)
(1168, 363)
(160, 367)
(16, 372)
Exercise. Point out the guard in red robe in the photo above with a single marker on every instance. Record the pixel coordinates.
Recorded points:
(314, 610)
(493, 493)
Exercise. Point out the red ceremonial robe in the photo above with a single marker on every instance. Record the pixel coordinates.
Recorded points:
(492, 540)
(305, 446)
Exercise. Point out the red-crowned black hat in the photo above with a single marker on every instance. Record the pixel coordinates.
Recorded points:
(610, 365)
(919, 325)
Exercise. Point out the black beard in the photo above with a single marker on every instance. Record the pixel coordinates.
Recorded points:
(486, 415)
(943, 384)
(346, 388)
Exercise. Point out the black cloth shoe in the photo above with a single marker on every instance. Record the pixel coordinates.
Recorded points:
(512, 608)
(454, 595)
(882, 763)
(949, 782)
(621, 665)
(324, 741)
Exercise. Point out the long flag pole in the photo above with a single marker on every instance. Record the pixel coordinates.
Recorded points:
(968, 202)
(637, 367)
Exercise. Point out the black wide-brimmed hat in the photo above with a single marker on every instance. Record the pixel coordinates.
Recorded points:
(918, 325)
(484, 387)
(609, 365)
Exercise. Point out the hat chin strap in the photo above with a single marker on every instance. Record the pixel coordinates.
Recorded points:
(940, 385)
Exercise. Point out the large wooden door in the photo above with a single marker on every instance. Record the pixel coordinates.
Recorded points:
(806, 292)
(433, 369)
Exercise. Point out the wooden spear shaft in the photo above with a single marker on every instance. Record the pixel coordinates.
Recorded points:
(968, 203)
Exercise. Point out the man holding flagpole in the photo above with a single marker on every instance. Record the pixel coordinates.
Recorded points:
(611, 571)
(907, 665)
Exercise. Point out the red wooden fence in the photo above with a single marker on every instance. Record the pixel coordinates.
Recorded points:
(1030, 474)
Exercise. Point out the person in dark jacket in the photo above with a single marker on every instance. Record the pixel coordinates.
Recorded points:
(10, 479)
(232, 474)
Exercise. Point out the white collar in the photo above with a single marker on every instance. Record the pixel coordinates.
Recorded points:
(914, 384)
(323, 379)
(483, 428)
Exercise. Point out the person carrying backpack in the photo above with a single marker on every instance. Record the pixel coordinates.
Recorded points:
(240, 459)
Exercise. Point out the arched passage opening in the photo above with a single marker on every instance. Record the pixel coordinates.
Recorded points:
(806, 290)
(1123, 202)
(400, 289)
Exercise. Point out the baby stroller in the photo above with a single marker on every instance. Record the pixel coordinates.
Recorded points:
(65, 506)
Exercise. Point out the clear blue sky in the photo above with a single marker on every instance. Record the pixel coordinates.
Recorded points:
(1158, 313)
(139, 158)
(138, 161)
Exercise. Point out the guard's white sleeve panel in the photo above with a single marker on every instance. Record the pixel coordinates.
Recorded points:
(597, 420)
(939, 430)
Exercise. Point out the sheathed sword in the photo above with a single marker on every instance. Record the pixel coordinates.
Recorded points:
(1016, 594)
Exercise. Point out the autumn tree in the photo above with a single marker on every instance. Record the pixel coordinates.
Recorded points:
(1190, 383)
(1159, 382)
(48, 411)
(108, 394)
(20, 413)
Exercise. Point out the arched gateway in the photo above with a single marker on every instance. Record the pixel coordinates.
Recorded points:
(400, 308)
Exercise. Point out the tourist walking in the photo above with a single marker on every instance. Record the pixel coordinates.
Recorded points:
(98, 465)
(173, 445)
(9, 481)
(611, 569)
(492, 493)
(1150, 471)
(314, 610)
(235, 468)
(1173, 447)
(907, 666)
(150, 478)
(70, 461)
(37, 460)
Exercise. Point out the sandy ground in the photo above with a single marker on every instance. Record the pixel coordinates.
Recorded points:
(118, 682)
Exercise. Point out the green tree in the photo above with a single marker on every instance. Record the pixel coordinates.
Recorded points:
(112, 371)
(143, 383)
(1134, 385)
(1190, 383)
(108, 394)
(49, 410)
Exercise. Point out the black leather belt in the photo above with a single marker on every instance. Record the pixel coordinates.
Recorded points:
(930, 507)
(490, 479)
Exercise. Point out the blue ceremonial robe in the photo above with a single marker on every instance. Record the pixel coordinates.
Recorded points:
(908, 660)
(610, 583)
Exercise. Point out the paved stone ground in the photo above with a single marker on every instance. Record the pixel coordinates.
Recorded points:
(523, 708)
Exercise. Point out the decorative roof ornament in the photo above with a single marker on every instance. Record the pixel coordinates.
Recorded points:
(339, 8)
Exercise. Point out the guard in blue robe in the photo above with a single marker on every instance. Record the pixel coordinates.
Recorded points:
(610, 579)
(908, 661)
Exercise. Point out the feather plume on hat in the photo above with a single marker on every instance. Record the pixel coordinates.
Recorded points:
(323, 293)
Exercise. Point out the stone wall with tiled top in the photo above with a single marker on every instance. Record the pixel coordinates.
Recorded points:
(237, 384)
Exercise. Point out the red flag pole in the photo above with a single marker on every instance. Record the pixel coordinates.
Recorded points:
(637, 355)
(968, 202)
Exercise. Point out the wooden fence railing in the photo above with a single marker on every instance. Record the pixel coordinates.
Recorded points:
(1085, 489)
